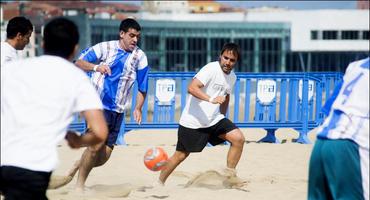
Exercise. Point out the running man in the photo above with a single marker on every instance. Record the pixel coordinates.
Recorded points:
(114, 66)
(203, 118)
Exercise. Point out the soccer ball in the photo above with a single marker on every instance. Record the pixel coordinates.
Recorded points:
(155, 158)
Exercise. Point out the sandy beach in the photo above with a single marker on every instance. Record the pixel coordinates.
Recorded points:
(268, 171)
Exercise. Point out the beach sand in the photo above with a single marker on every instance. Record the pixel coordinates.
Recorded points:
(265, 171)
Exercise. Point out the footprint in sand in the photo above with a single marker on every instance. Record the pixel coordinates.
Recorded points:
(114, 191)
(94, 192)
(213, 179)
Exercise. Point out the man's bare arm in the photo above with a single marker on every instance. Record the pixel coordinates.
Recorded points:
(97, 133)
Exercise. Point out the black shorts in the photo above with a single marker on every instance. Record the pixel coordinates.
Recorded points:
(20, 183)
(194, 140)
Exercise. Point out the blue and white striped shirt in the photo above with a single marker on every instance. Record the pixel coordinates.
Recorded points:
(349, 108)
(126, 67)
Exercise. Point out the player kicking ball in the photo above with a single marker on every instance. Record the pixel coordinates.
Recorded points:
(203, 118)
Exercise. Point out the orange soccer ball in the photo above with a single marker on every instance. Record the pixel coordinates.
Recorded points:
(155, 158)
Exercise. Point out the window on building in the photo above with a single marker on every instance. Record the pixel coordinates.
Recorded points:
(245, 63)
(350, 35)
(112, 37)
(314, 35)
(365, 35)
(151, 43)
(216, 46)
(197, 56)
(269, 54)
(174, 53)
(330, 35)
(96, 38)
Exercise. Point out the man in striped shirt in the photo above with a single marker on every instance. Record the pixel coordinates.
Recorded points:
(113, 66)
(339, 165)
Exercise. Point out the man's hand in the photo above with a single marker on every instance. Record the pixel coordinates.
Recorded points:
(138, 115)
(218, 100)
(73, 139)
(104, 69)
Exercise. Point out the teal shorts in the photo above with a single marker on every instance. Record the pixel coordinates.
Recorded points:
(335, 171)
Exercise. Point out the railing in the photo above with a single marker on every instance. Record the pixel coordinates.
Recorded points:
(259, 100)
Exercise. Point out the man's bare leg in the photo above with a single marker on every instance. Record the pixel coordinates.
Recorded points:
(74, 169)
(237, 140)
(172, 163)
(60, 181)
(91, 158)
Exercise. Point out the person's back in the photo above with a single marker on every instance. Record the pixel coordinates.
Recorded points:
(39, 97)
(37, 103)
(353, 101)
(339, 163)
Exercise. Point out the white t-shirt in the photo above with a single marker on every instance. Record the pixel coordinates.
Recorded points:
(8, 53)
(38, 99)
(199, 113)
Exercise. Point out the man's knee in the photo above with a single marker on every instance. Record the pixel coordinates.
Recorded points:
(94, 152)
(103, 156)
(237, 138)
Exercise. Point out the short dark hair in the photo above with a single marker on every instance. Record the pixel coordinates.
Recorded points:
(129, 23)
(60, 37)
(17, 25)
(233, 48)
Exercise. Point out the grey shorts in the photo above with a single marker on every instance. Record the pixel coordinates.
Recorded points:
(194, 140)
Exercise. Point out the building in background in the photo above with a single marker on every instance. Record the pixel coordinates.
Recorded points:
(168, 7)
(209, 6)
(180, 36)
(41, 11)
(321, 39)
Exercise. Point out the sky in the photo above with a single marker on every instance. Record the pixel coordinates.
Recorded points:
(295, 4)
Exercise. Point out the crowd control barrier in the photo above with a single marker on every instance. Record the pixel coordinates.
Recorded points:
(260, 100)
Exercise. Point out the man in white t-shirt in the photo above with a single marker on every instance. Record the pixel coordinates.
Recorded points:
(203, 118)
(39, 97)
(18, 33)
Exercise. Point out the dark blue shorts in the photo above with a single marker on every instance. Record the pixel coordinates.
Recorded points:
(114, 121)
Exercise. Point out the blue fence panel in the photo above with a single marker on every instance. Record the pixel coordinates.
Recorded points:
(290, 108)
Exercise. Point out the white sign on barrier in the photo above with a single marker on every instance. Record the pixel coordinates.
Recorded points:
(266, 91)
(311, 87)
(165, 91)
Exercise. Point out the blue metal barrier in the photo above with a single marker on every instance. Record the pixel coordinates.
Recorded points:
(260, 100)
